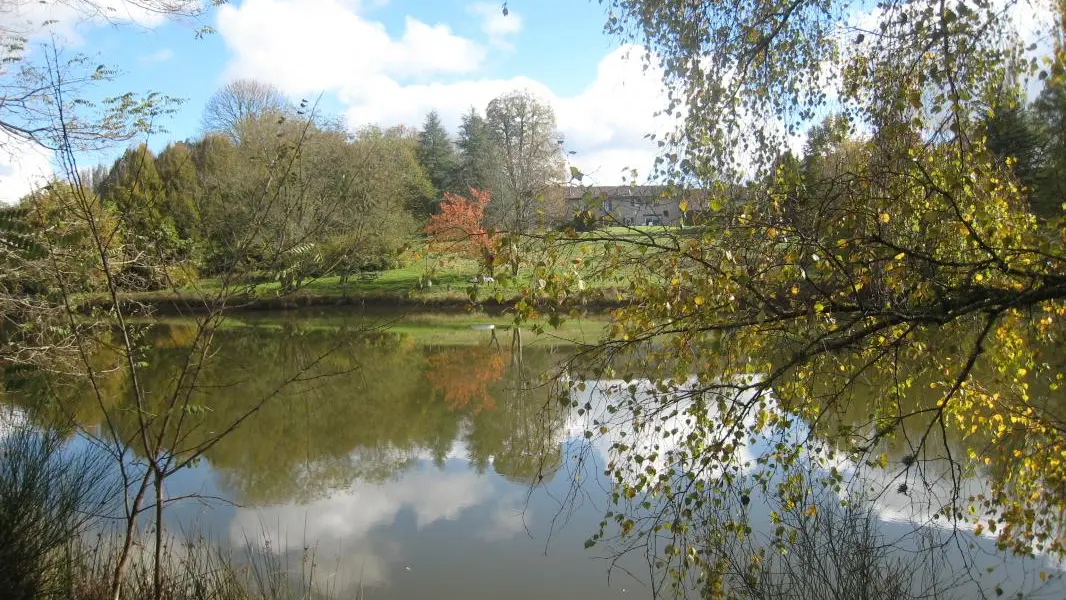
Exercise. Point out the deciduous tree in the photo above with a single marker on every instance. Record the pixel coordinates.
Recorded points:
(459, 226)
(925, 298)
(530, 157)
(231, 107)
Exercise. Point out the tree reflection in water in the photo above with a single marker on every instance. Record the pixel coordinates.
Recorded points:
(358, 426)
(369, 411)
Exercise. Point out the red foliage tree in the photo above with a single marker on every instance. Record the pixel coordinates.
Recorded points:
(464, 375)
(458, 227)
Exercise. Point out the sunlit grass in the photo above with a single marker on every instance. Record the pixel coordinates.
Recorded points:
(424, 328)
(437, 278)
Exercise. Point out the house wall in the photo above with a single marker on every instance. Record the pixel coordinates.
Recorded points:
(635, 210)
(642, 211)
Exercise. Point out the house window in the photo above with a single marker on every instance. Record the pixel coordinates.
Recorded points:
(666, 213)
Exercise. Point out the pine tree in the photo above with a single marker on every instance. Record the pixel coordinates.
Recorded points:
(1012, 134)
(436, 152)
(477, 165)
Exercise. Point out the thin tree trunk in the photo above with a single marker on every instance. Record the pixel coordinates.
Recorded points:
(127, 543)
(157, 565)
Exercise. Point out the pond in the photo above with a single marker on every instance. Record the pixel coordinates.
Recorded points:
(414, 458)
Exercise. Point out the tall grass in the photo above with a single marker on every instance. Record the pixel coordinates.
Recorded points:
(56, 541)
(47, 499)
(196, 568)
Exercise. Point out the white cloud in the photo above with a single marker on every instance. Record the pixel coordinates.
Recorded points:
(605, 124)
(325, 45)
(429, 50)
(506, 522)
(344, 524)
(355, 512)
(496, 25)
(330, 46)
(24, 167)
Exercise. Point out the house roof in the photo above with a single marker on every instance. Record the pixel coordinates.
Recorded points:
(615, 191)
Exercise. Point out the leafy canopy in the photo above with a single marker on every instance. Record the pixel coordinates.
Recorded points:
(888, 292)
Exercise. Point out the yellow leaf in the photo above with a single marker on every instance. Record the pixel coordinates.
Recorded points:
(885, 218)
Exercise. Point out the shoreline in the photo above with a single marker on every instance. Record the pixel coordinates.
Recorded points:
(175, 304)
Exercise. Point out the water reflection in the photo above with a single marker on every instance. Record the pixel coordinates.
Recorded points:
(413, 469)
(374, 405)
(386, 454)
(948, 556)
(344, 524)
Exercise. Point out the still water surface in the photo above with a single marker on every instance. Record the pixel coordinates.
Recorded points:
(415, 463)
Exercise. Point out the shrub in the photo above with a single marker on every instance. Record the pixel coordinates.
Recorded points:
(47, 499)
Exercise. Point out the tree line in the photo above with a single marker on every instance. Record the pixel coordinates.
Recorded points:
(514, 152)
(1025, 139)
(275, 190)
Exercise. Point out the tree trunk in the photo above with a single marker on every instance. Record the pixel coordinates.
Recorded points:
(157, 564)
(127, 543)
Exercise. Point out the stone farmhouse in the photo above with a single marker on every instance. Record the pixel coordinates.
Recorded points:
(630, 205)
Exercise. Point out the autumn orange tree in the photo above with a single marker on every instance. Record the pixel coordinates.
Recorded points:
(463, 375)
(881, 308)
(458, 227)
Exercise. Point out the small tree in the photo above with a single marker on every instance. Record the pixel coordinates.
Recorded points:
(458, 227)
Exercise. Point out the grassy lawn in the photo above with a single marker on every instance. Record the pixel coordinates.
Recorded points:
(655, 231)
(636, 230)
(444, 278)
(420, 279)
(447, 278)
(438, 278)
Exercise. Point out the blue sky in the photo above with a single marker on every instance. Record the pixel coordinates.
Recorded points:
(390, 61)
(380, 61)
